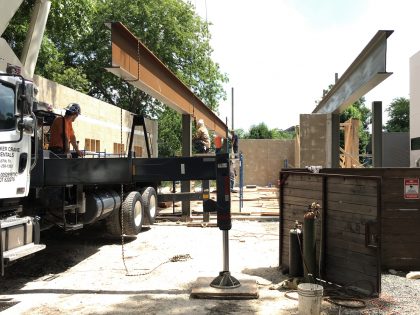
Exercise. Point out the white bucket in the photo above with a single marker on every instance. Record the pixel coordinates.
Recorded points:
(310, 297)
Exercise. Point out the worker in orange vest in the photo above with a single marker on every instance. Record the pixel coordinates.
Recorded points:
(218, 143)
(62, 134)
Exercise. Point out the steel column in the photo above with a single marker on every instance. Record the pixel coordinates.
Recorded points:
(377, 134)
(186, 151)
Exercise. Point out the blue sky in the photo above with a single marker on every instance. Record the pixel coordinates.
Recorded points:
(281, 54)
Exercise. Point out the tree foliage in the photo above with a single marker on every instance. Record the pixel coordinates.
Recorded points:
(76, 49)
(261, 131)
(399, 115)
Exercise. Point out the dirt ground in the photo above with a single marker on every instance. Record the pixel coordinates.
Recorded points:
(84, 273)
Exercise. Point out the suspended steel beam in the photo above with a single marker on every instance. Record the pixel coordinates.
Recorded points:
(366, 72)
(134, 62)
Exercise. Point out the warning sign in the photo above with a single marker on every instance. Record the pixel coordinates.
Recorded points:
(411, 188)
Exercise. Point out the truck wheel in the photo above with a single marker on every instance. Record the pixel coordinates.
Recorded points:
(133, 215)
(150, 205)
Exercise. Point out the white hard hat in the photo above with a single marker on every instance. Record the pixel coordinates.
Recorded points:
(200, 122)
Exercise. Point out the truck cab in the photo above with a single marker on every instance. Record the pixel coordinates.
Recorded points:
(19, 234)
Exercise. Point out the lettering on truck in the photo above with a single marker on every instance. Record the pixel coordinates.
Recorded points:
(7, 153)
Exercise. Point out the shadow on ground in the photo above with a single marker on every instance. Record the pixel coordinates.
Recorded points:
(63, 251)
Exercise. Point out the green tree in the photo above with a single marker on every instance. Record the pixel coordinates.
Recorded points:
(260, 131)
(76, 49)
(66, 25)
(282, 134)
(399, 115)
(242, 134)
(170, 130)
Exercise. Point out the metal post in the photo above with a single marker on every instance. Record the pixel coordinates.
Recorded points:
(377, 134)
(232, 108)
(241, 181)
(225, 250)
(205, 190)
(224, 280)
(186, 151)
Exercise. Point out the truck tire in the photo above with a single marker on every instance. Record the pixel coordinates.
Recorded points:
(133, 216)
(149, 197)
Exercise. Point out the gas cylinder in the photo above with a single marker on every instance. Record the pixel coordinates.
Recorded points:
(309, 241)
(295, 251)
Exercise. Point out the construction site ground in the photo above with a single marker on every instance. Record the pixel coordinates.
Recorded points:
(84, 272)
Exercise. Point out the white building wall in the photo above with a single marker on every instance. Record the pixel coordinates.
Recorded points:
(99, 120)
(414, 104)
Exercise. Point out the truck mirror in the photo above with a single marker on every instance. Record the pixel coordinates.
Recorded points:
(27, 124)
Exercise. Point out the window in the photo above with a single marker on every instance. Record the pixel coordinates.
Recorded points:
(7, 107)
(415, 143)
(119, 148)
(138, 151)
(92, 145)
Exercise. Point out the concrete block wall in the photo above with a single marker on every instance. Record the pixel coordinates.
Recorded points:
(99, 120)
(264, 158)
(313, 139)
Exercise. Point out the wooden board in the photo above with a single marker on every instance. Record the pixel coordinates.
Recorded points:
(202, 290)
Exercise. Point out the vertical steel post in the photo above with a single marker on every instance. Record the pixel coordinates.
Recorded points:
(241, 181)
(186, 151)
(232, 109)
(377, 133)
(226, 250)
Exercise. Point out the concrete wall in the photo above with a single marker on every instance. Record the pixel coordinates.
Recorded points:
(99, 120)
(313, 139)
(414, 104)
(264, 158)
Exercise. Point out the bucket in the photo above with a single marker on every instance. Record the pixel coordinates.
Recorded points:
(310, 297)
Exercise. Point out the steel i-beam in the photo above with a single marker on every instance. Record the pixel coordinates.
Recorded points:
(135, 63)
(366, 72)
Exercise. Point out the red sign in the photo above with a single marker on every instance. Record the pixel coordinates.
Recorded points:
(411, 188)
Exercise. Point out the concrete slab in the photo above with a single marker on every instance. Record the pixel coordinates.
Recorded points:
(202, 290)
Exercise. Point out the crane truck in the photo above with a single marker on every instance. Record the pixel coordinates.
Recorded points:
(39, 189)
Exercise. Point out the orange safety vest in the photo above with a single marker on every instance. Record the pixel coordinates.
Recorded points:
(56, 131)
(217, 142)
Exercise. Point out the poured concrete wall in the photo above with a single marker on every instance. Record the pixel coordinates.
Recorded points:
(264, 158)
(99, 120)
(414, 104)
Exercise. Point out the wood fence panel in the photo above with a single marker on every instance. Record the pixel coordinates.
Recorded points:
(349, 207)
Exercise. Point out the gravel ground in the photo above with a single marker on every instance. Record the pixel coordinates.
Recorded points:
(83, 274)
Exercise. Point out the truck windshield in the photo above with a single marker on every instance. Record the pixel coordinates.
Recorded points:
(7, 107)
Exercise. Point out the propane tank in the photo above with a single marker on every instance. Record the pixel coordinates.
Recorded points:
(309, 241)
(295, 251)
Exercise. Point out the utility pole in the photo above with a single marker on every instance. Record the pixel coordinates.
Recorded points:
(232, 108)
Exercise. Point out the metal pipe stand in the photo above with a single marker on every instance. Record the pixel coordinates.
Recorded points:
(224, 280)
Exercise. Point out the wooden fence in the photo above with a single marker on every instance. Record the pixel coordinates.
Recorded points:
(348, 245)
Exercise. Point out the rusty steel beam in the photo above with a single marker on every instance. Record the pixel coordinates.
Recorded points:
(133, 62)
(366, 72)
